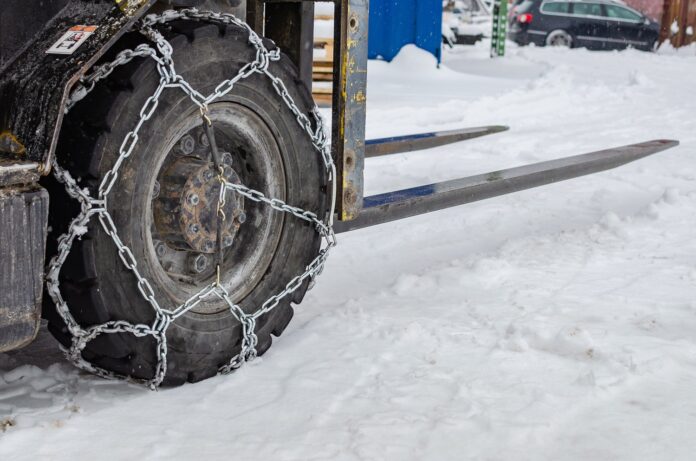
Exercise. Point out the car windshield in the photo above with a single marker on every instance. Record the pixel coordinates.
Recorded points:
(618, 12)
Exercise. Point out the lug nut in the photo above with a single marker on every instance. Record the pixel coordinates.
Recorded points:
(241, 218)
(204, 140)
(208, 175)
(197, 263)
(227, 158)
(193, 199)
(193, 228)
(160, 248)
(227, 241)
(187, 144)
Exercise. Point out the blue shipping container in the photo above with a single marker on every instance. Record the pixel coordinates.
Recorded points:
(394, 24)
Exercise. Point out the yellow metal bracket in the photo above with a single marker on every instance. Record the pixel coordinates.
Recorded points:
(129, 7)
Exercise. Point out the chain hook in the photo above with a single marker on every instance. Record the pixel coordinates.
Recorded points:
(204, 115)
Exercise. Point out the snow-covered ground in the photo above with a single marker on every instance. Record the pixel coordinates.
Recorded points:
(554, 324)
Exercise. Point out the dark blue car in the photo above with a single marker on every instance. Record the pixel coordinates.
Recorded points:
(592, 24)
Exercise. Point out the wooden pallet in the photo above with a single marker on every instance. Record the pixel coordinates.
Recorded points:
(322, 71)
(322, 96)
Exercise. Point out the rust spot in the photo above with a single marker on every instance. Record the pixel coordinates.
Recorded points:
(129, 7)
(9, 144)
(350, 197)
(349, 161)
(360, 97)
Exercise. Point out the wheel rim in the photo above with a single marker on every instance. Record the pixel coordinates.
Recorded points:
(560, 39)
(183, 265)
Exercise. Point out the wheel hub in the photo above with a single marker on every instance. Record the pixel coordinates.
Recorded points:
(184, 199)
(185, 210)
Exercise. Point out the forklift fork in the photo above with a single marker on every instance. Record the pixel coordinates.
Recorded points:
(391, 206)
(290, 24)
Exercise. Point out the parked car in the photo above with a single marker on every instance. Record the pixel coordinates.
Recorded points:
(465, 22)
(593, 24)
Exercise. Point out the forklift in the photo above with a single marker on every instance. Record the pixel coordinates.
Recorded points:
(168, 189)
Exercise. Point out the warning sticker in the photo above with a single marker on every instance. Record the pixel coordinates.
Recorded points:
(71, 40)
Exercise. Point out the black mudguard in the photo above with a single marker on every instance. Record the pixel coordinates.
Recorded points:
(34, 85)
(23, 217)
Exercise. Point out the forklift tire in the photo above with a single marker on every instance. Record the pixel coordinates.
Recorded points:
(264, 148)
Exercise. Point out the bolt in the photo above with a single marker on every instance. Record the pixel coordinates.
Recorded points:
(208, 175)
(156, 190)
(241, 217)
(227, 241)
(193, 199)
(350, 161)
(197, 263)
(193, 228)
(160, 248)
(204, 140)
(350, 197)
(227, 158)
(187, 144)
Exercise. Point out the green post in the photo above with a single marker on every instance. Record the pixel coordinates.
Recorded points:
(500, 10)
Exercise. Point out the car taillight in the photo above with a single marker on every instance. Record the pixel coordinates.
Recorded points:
(524, 18)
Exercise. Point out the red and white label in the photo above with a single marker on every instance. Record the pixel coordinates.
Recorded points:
(71, 40)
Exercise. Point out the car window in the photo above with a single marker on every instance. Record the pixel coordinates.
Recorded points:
(555, 7)
(587, 9)
(615, 11)
(524, 6)
(470, 5)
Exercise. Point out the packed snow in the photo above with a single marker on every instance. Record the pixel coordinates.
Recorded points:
(554, 324)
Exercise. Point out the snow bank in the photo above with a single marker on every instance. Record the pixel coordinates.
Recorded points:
(553, 324)
(411, 64)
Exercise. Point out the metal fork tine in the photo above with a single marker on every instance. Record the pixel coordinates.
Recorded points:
(415, 142)
(383, 208)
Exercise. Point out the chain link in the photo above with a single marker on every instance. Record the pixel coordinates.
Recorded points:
(97, 206)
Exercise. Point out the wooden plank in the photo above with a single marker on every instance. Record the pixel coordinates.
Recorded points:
(683, 13)
(323, 100)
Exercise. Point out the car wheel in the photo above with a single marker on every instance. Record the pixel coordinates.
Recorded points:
(559, 38)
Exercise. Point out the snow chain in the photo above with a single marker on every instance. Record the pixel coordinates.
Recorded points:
(91, 206)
